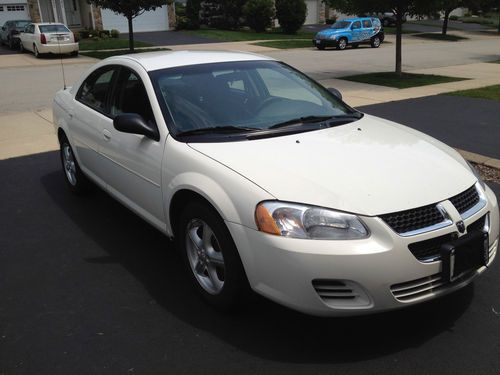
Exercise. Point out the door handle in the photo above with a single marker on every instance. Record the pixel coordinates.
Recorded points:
(106, 134)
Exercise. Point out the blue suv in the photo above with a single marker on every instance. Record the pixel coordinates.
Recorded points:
(353, 31)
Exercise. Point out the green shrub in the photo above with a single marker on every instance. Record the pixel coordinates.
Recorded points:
(114, 33)
(291, 14)
(193, 8)
(84, 34)
(454, 18)
(259, 14)
(104, 33)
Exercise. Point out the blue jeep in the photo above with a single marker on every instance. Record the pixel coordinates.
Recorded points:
(353, 31)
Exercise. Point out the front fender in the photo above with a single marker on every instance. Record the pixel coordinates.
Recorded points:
(232, 195)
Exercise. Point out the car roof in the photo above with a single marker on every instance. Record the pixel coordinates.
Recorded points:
(48, 23)
(169, 59)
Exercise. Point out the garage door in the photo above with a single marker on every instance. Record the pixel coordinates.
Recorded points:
(312, 12)
(156, 20)
(10, 12)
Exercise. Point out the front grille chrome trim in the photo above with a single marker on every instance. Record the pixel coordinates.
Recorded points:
(478, 206)
(437, 226)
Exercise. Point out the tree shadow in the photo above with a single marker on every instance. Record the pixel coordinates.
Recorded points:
(262, 328)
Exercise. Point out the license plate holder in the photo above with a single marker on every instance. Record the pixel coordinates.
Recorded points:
(464, 254)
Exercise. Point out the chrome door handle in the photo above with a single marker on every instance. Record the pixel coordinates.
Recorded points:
(106, 134)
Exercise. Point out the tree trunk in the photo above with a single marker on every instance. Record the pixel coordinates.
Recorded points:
(445, 21)
(399, 32)
(130, 34)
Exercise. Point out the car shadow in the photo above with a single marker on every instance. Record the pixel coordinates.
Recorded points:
(262, 328)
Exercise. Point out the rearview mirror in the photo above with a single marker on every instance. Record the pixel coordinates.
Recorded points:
(135, 124)
(335, 92)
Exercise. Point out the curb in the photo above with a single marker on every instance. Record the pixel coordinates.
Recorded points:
(480, 159)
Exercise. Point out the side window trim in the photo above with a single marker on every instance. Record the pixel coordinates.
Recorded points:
(112, 84)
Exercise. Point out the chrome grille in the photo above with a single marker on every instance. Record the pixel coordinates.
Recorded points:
(406, 221)
(429, 250)
(465, 200)
(424, 287)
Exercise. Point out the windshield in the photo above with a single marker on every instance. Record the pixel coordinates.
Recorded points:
(53, 29)
(22, 24)
(341, 25)
(251, 95)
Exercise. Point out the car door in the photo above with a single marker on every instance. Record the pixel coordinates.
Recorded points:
(26, 37)
(367, 29)
(88, 117)
(356, 31)
(133, 162)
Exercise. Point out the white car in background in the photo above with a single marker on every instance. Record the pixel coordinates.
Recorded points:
(267, 180)
(44, 38)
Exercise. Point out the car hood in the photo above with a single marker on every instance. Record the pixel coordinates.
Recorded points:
(328, 32)
(369, 167)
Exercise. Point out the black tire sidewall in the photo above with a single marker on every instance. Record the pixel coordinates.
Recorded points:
(235, 284)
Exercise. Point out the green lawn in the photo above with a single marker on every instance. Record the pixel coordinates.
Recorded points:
(488, 92)
(243, 35)
(104, 54)
(407, 80)
(439, 36)
(110, 43)
(285, 44)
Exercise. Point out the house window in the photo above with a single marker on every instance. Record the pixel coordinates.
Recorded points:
(1, 9)
(15, 8)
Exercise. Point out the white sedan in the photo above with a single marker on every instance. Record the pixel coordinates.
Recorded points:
(268, 181)
(44, 38)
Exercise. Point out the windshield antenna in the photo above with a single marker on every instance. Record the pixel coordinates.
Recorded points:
(62, 65)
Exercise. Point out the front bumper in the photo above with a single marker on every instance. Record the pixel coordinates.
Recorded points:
(325, 42)
(58, 48)
(334, 278)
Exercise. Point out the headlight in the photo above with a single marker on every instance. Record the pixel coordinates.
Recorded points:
(333, 37)
(308, 222)
(478, 176)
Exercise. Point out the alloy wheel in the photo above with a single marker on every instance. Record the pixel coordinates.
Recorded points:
(205, 256)
(69, 164)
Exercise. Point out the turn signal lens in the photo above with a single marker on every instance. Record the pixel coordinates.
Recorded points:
(265, 221)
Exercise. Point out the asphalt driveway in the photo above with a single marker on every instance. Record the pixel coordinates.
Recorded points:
(466, 123)
(86, 287)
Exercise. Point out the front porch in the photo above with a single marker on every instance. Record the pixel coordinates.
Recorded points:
(76, 14)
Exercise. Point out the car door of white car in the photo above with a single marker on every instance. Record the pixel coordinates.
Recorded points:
(89, 115)
(132, 162)
(27, 37)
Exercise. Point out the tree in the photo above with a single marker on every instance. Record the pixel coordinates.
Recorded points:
(259, 14)
(130, 9)
(291, 14)
(223, 14)
(439, 6)
(399, 7)
(193, 13)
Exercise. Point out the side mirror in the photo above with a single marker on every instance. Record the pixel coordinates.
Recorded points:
(135, 124)
(335, 92)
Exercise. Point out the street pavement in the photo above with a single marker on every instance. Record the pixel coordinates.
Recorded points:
(86, 286)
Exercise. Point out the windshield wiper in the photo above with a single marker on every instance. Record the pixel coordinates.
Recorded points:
(316, 119)
(219, 130)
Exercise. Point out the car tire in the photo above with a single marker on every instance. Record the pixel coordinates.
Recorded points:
(211, 257)
(375, 41)
(36, 52)
(77, 182)
(342, 44)
(10, 43)
(355, 45)
(74, 53)
(320, 47)
(21, 47)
